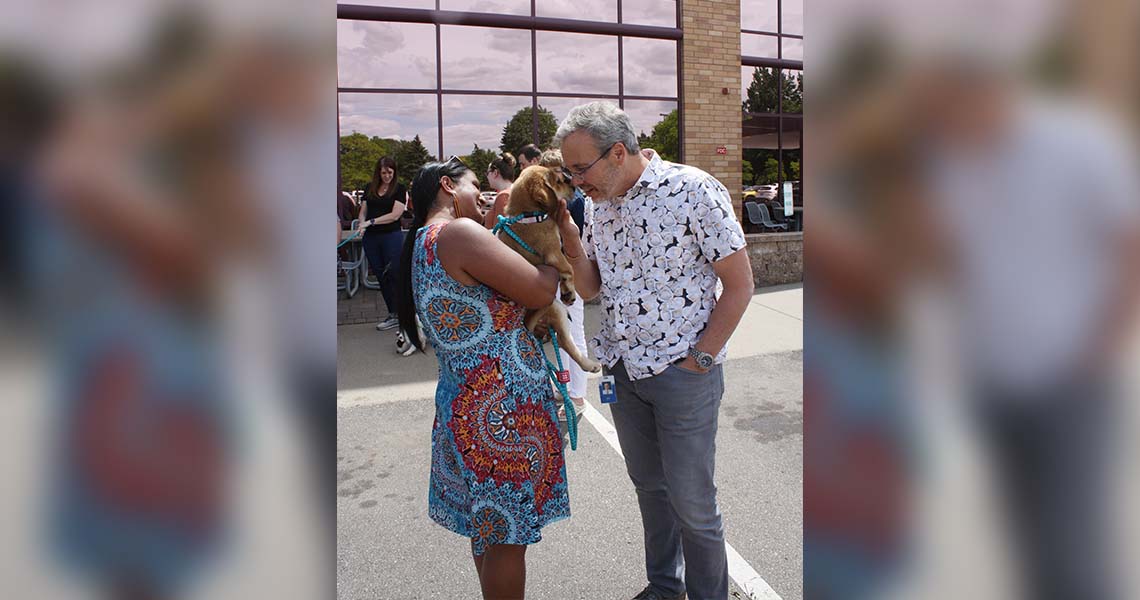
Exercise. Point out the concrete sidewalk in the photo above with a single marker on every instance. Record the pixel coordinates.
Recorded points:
(389, 548)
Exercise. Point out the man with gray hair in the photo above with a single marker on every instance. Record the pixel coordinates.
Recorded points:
(657, 241)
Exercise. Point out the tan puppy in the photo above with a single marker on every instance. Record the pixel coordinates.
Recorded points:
(538, 189)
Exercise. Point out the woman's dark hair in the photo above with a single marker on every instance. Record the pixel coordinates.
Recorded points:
(531, 152)
(505, 165)
(384, 162)
(425, 187)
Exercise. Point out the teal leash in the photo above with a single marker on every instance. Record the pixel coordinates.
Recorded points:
(504, 224)
(556, 375)
(348, 239)
(567, 405)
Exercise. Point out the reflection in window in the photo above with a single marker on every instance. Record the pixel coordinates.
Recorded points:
(758, 15)
(662, 13)
(588, 10)
(760, 92)
(486, 121)
(763, 46)
(560, 107)
(793, 48)
(576, 62)
(482, 58)
(424, 4)
(793, 92)
(656, 126)
(503, 7)
(385, 55)
(650, 67)
(402, 126)
(793, 16)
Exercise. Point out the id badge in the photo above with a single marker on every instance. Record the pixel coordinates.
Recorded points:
(606, 390)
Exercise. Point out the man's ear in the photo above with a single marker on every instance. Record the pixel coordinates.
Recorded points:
(620, 151)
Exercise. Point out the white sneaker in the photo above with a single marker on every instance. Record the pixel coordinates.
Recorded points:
(404, 346)
(386, 324)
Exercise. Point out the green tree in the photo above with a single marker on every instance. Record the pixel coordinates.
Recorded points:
(763, 91)
(358, 155)
(792, 170)
(410, 156)
(519, 131)
(771, 172)
(748, 175)
(479, 160)
(793, 92)
(664, 138)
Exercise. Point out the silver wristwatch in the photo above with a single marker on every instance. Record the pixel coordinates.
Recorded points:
(704, 360)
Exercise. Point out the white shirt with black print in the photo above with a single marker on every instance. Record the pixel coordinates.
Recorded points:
(655, 247)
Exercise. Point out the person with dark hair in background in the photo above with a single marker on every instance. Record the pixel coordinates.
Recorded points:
(380, 213)
(529, 155)
(346, 210)
(500, 174)
(498, 475)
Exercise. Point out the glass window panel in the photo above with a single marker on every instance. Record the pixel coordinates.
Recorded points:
(646, 115)
(470, 120)
(793, 16)
(560, 107)
(484, 58)
(758, 15)
(502, 7)
(385, 55)
(662, 13)
(426, 4)
(385, 120)
(763, 46)
(793, 48)
(587, 10)
(577, 63)
(650, 67)
(793, 92)
(760, 89)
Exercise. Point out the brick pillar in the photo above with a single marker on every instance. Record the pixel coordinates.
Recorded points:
(710, 55)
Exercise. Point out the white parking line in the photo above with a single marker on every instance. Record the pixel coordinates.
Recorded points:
(746, 578)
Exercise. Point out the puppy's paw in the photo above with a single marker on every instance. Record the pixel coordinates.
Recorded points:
(591, 366)
(568, 297)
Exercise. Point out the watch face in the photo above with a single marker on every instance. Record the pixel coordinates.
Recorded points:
(705, 361)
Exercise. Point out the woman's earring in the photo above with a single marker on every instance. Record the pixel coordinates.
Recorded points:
(455, 204)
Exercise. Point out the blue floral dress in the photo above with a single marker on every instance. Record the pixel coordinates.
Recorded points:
(498, 474)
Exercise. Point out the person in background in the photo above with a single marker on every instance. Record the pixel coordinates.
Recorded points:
(346, 210)
(529, 156)
(500, 174)
(380, 213)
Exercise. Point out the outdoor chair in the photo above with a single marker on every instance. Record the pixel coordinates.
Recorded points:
(758, 215)
(350, 269)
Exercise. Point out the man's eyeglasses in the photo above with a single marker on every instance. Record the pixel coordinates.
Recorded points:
(582, 173)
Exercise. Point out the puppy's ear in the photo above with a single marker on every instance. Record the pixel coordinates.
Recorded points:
(551, 179)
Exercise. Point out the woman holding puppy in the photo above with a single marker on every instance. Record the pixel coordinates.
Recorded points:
(497, 470)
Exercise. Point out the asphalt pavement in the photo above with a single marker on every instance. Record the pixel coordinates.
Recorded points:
(388, 547)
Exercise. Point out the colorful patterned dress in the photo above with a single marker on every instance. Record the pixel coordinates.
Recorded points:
(497, 472)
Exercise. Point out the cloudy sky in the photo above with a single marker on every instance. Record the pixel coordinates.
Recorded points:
(403, 55)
